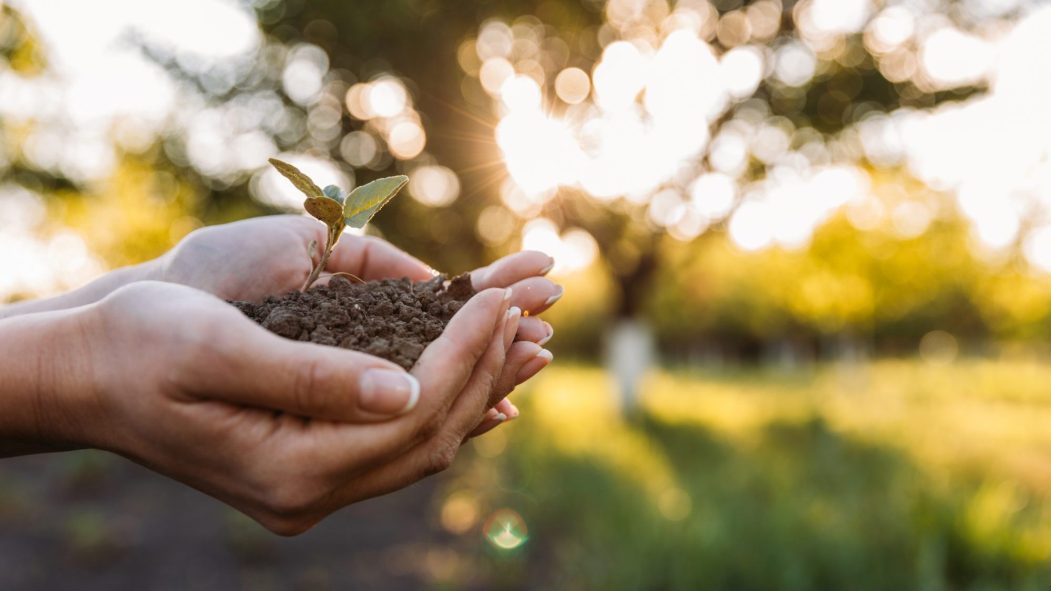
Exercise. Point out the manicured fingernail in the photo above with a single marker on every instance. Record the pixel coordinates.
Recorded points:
(507, 294)
(548, 268)
(514, 411)
(550, 333)
(533, 366)
(388, 392)
(501, 417)
(555, 297)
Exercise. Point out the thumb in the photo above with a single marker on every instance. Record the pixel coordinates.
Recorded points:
(250, 366)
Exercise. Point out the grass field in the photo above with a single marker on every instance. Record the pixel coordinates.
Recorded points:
(890, 475)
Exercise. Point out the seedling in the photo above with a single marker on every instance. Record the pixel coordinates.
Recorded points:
(336, 210)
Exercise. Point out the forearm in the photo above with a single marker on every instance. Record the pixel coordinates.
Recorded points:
(88, 294)
(45, 382)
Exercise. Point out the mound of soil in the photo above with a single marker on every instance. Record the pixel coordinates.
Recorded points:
(394, 318)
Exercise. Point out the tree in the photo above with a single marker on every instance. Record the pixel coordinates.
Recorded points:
(795, 81)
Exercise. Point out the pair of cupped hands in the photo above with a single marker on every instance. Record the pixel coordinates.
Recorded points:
(151, 363)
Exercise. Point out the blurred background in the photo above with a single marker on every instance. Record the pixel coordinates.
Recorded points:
(806, 248)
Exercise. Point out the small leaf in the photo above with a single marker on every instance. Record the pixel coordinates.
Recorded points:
(365, 201)
(312, 249)
(334, 192)
(327, 210)
(300, 180)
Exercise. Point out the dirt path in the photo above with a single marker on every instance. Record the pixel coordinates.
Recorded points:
(88, 520)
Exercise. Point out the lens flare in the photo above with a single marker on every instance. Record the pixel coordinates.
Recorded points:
(506, 530)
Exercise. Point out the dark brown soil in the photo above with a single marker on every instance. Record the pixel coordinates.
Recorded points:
(394, 318)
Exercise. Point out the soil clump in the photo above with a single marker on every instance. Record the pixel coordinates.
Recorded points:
(392, 318)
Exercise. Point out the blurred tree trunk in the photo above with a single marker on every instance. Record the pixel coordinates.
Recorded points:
(630, 343)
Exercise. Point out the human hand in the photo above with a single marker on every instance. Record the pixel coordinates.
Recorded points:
(285, 431)
(254, 258)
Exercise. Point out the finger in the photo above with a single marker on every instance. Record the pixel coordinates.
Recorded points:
(535, 294)
(480, 391)
(524, 361)
(521, 353)
(511, 269)
(449, 363)
(534, 330)
(503, 412)
(508, 409)
(247, 365)
(493, 419)
(533, 366)
(372, 258)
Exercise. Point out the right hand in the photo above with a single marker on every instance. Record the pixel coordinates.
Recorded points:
(285, 431)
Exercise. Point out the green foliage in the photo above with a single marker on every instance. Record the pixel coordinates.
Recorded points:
(334, 192)
(329, 207)
(365, 202)
(790, 481)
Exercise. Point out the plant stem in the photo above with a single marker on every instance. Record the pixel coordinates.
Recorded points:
(330, 245)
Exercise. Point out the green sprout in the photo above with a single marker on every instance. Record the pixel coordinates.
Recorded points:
(337, 210)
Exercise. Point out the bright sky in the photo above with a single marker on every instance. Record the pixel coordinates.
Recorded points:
(86, 45)
(97, 89)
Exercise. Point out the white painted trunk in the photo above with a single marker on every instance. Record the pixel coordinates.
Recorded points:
(630, 354)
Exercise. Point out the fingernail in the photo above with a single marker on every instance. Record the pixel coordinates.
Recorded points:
(533, 366)
(555, 297)
(501, 417)
(550, 333)
(388, 392)
(507, 294)
(514, 411)
(548, 268)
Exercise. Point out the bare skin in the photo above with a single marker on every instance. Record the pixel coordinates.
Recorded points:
(172, 377)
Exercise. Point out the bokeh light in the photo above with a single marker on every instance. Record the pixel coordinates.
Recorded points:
(642, 128)
(386, 97)
(939, 347)
(304, 73)
(572, 250)
(572, 85)
(433, 185)
(460, 512)
(674, 504)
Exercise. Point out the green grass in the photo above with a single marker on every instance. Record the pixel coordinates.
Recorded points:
(895, 475)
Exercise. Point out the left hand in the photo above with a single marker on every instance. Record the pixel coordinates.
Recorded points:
(254, 258)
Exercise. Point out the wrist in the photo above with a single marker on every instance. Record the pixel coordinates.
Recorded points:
(92, 292)
(48, 400)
